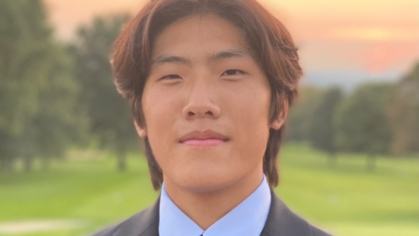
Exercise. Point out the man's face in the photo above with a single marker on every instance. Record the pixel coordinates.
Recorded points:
(206, 105)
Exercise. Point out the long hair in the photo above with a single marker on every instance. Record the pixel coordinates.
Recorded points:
(270, 41)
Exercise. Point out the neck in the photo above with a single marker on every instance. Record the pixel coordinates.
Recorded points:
(214, 203)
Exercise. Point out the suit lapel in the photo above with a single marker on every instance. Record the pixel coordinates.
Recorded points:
(283, 222)
(145, 223)
(151, 221)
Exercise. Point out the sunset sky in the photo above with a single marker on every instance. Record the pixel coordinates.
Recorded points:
(375, 37)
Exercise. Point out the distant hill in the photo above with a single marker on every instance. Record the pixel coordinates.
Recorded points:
(346, 80)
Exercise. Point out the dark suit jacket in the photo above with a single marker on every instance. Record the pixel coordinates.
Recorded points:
(281, 222)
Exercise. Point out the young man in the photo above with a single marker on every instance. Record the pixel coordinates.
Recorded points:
(210, 83)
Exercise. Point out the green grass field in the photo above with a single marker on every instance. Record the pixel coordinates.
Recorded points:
(344, 199)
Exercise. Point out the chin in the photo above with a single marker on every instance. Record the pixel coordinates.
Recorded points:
(205, 181)
(205, 187)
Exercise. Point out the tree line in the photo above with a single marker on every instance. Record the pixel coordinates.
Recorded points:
(375, 119)
(57, 95)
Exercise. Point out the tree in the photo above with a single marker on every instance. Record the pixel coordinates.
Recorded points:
(403, 111)
(110, 120)
(301, 113)
(60, 122)
(362, 124)
(322, 128)
(23, 49)
(35, 88)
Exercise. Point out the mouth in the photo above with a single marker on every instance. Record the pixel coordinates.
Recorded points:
(207, 138)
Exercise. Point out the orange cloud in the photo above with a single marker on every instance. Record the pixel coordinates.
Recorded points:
(375, 34)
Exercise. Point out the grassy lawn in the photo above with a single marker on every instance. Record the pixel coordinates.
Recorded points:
(344, 199)
(349, 200)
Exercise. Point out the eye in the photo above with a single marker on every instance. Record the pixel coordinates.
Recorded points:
(171, 77)
(232, 73)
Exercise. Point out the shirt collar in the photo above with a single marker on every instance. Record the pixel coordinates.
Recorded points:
(248, 218)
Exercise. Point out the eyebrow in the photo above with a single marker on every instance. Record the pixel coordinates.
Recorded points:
(229, 54)
(170, 59)
(162, 59)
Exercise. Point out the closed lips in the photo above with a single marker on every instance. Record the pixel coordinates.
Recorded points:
(201, 136)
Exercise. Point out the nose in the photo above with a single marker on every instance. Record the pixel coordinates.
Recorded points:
(201, 102)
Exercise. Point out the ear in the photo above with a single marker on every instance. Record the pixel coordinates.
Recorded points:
(282, 116)
(140, 131)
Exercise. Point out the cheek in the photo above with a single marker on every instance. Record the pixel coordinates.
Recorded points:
(249, 107)
(160, 114)
(249, 112)
(158, 106)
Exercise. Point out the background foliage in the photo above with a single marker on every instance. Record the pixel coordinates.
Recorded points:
(64, 124)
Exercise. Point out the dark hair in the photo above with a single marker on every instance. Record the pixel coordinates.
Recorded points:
(270, 41)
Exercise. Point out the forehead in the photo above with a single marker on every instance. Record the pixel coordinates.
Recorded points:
(199, 35)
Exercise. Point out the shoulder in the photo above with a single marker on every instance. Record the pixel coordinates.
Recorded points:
(142, 223)
(284, 222)
(304, 227)
(317, 232)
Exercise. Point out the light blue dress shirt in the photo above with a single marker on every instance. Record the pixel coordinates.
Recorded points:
(246, 219)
